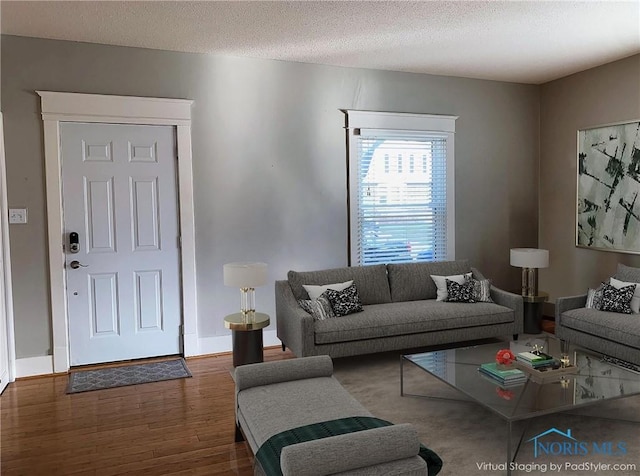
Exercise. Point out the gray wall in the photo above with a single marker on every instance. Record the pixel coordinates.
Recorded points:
(269, 161)
(607, 94)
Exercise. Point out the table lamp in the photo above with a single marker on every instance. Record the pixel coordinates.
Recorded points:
(529, 259)
(247, 277)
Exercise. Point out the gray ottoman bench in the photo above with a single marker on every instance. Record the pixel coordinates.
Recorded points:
(289, 398)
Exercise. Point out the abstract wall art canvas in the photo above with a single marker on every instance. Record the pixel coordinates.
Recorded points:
(608, 211)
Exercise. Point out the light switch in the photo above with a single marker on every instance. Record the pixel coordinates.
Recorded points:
(17, 215)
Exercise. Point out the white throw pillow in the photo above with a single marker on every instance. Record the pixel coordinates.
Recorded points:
(635, 300)
(441, 283)
(315, 291)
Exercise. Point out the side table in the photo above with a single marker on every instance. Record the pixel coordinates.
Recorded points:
(533, 312)
(247, 337)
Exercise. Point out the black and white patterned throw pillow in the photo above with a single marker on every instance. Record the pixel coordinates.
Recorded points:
(460, 292)
(319, 308)
(594, 298)
(344, 302)
(617, 300)
(481, 290)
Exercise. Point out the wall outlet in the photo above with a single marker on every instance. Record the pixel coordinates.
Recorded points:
(17, 215)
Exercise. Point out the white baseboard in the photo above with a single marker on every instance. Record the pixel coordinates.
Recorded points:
(30, 366)
(270, 339)
(218, 344)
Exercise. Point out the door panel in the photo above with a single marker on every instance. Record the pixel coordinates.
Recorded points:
(100, 216)
(119, 195)
(149, 300)
(145, 216)
(104, 304)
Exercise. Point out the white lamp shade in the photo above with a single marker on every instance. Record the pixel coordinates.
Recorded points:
(245, 275)
(529, 258)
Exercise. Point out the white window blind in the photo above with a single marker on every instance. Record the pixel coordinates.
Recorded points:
(401, 189)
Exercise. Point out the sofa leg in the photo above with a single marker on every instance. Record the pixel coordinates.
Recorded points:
(515, 336)
(239, 435)
(283, 347)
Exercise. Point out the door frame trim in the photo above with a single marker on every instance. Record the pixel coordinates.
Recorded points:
(60, 107)
(8, 331)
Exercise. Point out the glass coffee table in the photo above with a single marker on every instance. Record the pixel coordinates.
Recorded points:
(592, 380)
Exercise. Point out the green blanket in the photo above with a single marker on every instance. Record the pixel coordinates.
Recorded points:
(269, 453)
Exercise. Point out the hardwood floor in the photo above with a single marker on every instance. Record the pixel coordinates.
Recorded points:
(549, 325)
(176, 427)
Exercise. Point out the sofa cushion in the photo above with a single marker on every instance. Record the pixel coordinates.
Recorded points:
(344, 302)
(371, 281)
(617, 300)
(315, 290)
(412, 281)
(271, 409)
(635, 300)
(409, 317)
(594, 298)
(622, 328)
(247, 376)
(442, 291)
(318, 308)
(460, 292)
(627, 273)
(482, 290)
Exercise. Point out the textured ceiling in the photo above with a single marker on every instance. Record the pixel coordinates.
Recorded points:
(529, 42)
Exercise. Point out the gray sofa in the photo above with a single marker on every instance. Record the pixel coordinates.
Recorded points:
(609, 333)
(400, 311)
(274, 397)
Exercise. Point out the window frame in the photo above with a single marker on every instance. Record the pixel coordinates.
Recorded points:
(398, 123)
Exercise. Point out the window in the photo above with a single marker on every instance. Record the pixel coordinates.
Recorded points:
(400, 214)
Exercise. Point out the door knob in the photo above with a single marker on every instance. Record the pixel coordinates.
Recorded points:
(76, 264)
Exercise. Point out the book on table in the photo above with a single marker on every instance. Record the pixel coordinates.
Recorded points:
(537, 361)
(533, 357)
(502, 375)
(501, 383)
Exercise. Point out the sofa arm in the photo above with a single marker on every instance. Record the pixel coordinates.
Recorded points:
(294, 325)
(569, 302)
(351, 451)
(512, 301)
(477, 274)
(266, 373)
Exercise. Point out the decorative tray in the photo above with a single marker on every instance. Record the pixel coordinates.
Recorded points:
(548, 375)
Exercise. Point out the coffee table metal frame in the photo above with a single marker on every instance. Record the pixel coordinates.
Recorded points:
(524, 395)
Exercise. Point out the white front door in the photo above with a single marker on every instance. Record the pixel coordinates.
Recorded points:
(123, 283)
